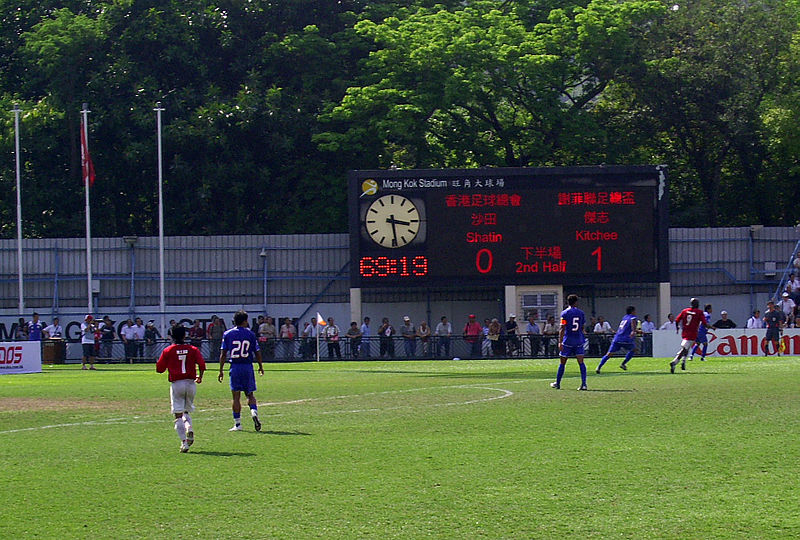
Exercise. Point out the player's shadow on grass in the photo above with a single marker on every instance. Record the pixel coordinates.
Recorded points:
(275, 432)
(223, 454)
(607, 390)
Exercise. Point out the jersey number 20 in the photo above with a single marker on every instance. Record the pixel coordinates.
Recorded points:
(241, 349)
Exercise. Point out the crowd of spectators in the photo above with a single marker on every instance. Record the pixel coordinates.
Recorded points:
(290, 339)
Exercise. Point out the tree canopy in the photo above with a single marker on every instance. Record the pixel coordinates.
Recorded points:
(269, 104)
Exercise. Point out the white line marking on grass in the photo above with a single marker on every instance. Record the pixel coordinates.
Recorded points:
(506, 393)
(139, 419)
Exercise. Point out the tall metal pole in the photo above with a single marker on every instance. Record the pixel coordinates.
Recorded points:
(17, 111)
(161, 296)
(85, 113)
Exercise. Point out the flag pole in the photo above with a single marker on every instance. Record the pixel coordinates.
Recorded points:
(17, 111)
(161, 296)
(85, 148)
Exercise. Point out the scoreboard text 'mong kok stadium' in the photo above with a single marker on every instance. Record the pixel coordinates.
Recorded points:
(508, 226)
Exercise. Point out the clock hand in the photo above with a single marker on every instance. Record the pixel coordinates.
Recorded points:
(397, 221)
(391, 220)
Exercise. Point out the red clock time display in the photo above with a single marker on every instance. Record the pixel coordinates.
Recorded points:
(508, 226)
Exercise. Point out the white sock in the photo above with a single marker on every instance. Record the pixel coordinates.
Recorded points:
(253, 412)
(187, 421)
(180, 428)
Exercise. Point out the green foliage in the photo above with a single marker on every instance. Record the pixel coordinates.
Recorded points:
(474, 86)
(440, 449)
(268, 104)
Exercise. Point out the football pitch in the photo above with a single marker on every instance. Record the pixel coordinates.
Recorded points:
(448, 449)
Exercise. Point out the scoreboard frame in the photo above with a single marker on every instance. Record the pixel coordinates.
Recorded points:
(508, 226)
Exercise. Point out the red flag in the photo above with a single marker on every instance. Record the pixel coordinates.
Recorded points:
(86, 160)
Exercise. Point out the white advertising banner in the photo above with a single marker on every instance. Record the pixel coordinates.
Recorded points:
(20, 357)
(734, 342)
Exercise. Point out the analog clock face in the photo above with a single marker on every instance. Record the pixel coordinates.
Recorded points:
(392, 221)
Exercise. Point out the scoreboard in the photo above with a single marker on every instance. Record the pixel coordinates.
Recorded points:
(504, 226)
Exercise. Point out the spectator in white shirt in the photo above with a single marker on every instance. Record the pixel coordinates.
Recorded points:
(443, 332)
(755, 321)
(793, 287)
(365, 336)
(648, 326)
(54, 331)
(787, 306)
(602, 326)
(670, 324)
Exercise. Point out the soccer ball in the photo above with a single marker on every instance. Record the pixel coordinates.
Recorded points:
(456, 358)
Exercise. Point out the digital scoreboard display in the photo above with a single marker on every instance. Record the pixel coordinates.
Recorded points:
(575, 225)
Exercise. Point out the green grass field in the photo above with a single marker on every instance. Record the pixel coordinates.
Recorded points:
(469, 449)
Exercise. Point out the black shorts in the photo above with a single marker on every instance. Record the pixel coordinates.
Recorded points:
(773, 334)
(88, 350)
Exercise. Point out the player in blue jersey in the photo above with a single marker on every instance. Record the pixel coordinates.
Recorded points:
(242, 346)
(702, 335)
(625, 338)
(571, 340)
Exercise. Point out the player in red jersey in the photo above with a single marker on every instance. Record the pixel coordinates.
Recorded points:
(182, 361)
(689, 320)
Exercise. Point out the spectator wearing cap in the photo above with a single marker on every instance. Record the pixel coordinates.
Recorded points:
(786, 305)
(151, 334)
(107, 337)
(724, 322)
(88, 327)
(409, 333)
(512, 329)
(473, 335)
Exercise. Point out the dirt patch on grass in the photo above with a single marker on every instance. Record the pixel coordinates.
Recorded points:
(14, 404)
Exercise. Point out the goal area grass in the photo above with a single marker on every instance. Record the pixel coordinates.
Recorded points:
(447, 449)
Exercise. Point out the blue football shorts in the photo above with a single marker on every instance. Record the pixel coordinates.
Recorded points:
(243, 378)
(572, 350)
(617, 345)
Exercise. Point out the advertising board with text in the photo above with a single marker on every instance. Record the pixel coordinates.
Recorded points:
(20, 357)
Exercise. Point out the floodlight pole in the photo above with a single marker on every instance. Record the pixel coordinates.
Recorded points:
(161, 296)
(85, 113)
(17, 112)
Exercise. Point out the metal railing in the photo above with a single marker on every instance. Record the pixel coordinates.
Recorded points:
(371, 348)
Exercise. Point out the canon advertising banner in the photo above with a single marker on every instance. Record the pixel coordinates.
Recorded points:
(734, 342)
(20, 357)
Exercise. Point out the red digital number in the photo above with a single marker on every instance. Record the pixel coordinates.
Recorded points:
(484, 261)
(599, 253)
(385, 266)
(420, 265)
